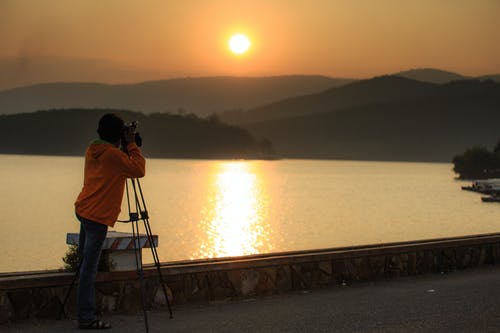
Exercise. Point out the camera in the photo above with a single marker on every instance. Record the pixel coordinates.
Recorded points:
(132, 127)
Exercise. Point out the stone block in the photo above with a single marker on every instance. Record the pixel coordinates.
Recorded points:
(325, 267)
(466, 260)
(351, 270)
(21, 301)
(223, 281)
(189, 291)
(495, 249)
(322, 274)
(357, 262)
(220, 287)
(484, 255)
(109, 303)
(300, 279)
(108, 288)
(45, 303)
(283, 279)
(249, 281)
(449, 253)
(475, 253)
(202, 280)
(200, 291)
(412, 263)
(235, 279)
(460, 254)
(159, 296)
(6, 309)
(340, 270)
(452, 260)
(176, 283)
(130, 299)
(377, 265)
(243, 282)
(295, 277)
(50, 309)
(71, 303)
(426, 263)
(221, 294)
(394, 266)
(365, 271)
(267, 281)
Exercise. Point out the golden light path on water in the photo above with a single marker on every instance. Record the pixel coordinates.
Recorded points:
(234, 218)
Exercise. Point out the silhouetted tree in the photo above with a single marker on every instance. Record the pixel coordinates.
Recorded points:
(496, 150)
(477, 162)
(266, 148)
(214, 118)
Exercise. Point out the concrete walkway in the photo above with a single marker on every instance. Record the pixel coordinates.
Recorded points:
(467, 301)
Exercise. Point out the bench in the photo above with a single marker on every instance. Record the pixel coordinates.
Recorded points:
(118, 249)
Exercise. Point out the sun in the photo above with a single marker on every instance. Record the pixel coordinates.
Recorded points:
(239, 43)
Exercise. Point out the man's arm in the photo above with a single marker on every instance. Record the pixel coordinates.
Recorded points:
(133, 165)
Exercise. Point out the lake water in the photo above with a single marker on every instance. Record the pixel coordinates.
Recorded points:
(203, 209)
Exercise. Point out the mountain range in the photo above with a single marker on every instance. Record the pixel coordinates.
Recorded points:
(417, 115)
(363, 92)
(385, 118)
(200, 96)
(25, 70)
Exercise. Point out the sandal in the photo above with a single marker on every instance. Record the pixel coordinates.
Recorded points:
(94, 325)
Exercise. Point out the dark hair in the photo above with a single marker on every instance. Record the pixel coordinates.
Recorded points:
(110, 127)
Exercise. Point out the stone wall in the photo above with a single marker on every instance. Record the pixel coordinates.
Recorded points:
(40, 295)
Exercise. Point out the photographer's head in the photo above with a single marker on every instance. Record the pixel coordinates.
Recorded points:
(110, 128)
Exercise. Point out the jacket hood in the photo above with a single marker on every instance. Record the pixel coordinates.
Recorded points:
(98, 147)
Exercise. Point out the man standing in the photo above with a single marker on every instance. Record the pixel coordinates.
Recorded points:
(99, 203)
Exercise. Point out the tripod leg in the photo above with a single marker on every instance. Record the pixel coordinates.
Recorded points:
(157, 264)
(138, 263)
(62, 312)
(149, 234)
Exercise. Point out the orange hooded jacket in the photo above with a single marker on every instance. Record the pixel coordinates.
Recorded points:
(106, 170)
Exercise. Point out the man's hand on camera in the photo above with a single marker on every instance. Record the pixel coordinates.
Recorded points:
(129, 136)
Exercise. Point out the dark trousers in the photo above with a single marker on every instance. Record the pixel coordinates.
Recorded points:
(92, 236)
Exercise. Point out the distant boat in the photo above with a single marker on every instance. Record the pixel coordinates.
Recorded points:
(491, 199)
(485, 186)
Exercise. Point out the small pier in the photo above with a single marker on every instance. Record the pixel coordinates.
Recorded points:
(490, 187)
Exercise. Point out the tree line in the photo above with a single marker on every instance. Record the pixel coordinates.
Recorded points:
(69, 131)
(478, 163)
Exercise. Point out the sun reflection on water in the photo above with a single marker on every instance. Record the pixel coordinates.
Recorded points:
(234, 218)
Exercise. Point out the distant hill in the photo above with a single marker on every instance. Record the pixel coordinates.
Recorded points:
(431, 75)
(21, 71)
(438, 76)
(200, 96)
(433, 124)
(68, 132)
(363, 92)
(494, 77)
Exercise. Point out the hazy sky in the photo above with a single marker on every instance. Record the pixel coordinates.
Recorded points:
(343, 38)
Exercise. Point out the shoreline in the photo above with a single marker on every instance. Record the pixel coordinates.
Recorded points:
(40, 295)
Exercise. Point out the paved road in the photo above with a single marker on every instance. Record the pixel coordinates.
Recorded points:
(467, 301)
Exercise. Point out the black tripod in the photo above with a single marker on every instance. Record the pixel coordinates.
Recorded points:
(137, 213)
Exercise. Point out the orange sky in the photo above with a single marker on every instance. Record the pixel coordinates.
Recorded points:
(342, 38)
